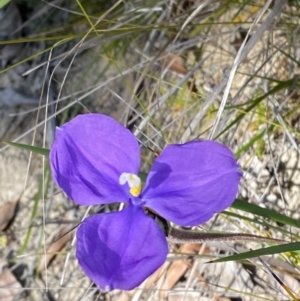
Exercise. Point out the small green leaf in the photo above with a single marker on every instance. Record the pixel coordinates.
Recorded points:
(3, 3)
(261, 221)
(34, 149)
(290, 247)
(265, 212)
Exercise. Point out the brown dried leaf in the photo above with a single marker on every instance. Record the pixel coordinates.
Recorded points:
(63, 236)
(10, 287)
(176, 64)
(173, 62)
(7, 214)
(179, 267)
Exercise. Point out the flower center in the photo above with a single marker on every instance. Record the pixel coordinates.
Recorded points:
(134, 182)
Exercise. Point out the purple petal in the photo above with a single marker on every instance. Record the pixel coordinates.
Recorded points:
(120, 250)
(191, 182)
(88, 156)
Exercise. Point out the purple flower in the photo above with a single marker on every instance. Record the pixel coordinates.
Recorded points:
(95, 160)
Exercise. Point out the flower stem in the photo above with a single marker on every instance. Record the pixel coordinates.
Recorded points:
(189, 236)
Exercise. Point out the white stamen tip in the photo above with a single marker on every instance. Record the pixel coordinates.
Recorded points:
(134, 182)
(124, 178)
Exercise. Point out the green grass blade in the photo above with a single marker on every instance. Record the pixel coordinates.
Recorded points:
(87, 16)
(290, 247)
(3, 3)
(260, 221)
(34, 149)
(249, 144)
(38, 196)
(265, 212)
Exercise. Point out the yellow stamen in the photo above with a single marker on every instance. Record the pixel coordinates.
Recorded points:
(134, 183)
(135, 191)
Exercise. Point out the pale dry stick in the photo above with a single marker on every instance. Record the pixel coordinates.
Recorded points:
(169, 9)
(48, 91)
(123, 21)
(58, 56)
(138, 292)
(156, 58)
(99, 19)
(36, 126)
(153, 32)
(281, 121)
(223, 122)
(33, 109)
(93, 87)
(146, 10)
(44, 221)
(88, 45)
(141, 78)
(238, 94)
(164, 98)
(244, 182)
(193, 42)
(72, 245)
(149, 140)
(179, 115)
(38, 288)
(64, 78)
(72, 60)
(254, 193)
(167, 95)
(275, 165)
(233, 71)
(80, 43)
(200, 114)
(43, 164)
(170, 123)
(97, 87)
(190, 18)
(193, 271)
(92, 294)
(149, 42)
(137, 114)
(161, 77)
(87, 291)
(249, 45)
